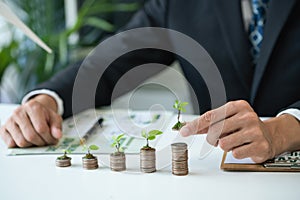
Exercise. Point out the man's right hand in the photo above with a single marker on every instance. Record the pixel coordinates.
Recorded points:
(35, 123)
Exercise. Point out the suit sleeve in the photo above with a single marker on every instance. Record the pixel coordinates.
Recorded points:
(153, 14)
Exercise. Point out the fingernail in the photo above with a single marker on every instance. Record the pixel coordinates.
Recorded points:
(185, 131)
(56, 132)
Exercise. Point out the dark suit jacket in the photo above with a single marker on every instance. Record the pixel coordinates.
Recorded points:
(270, 86)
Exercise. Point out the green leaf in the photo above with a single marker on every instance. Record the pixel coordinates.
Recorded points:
(113, 144)
(120, 137)
(155, 132)
(99, 23)
(184, 104)
(114, 138)
(151, 137)
(176, 104)
(93, 147)
(103, 7)
(144, 134)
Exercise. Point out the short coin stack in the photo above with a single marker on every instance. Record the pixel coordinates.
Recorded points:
(117, 162)
(90, 163)
(179, 159)
(63, 162)
(147, 160)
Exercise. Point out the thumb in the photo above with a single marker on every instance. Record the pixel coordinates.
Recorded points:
(55, 125)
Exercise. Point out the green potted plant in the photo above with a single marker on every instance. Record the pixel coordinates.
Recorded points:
(64, 160)
(33, 65)
(117, 159)
(147, 153)
(89, 161)
(180, 107)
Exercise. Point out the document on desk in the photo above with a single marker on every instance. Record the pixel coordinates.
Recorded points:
(114, 123)
(231, 159)
(286, 162)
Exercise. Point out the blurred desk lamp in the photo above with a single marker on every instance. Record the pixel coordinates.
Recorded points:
(7, 14)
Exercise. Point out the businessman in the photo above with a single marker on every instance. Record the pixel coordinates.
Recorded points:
(255, 45)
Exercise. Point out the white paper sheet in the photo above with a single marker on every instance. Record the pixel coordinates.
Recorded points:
(131, 123)
(233, 160)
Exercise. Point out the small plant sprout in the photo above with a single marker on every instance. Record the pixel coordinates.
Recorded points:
(117, 159)
(151, 135)
(180, 107)
(116, 143)
(89, 149)
(64, 160)
(64, 157)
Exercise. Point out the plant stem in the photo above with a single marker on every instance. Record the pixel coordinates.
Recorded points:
(178, 116)
(147, 143)
(118, 147)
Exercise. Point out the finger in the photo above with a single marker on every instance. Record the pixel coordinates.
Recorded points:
(16, 134)
(38, 118)
(26, 127)
(55, 123)
(6, 137)
(249, 151)
(201, 124)
(192, 128)
(222, 129)
(28, 130)
(235, 140)
(244, 151)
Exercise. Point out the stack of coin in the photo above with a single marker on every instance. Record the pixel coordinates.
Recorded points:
(66, 162)
(90, 163)
(117, 161)
(147, 160)
(179, 159)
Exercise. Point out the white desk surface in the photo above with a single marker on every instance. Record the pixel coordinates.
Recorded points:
(36, 177)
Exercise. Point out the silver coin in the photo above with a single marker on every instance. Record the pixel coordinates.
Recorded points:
(63, 162)
(147, 160)
(179, 159)
(91, 163)
(181, 173)
(118, 162)
(179, 145)
(148, 170)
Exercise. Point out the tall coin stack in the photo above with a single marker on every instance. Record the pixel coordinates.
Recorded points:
(179, 159)
(90, 163)
(117, 161)
(147, 160)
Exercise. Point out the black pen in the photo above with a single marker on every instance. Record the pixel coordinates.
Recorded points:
(91, 130)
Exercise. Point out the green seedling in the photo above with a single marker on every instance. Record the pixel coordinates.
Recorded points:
(151, 135)
(64, 157)
(116, 143)
(180, 107)
(89, 149)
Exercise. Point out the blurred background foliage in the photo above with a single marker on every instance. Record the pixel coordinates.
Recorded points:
(23, 64)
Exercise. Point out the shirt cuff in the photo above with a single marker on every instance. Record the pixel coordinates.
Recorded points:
(292, 111)
(59, 102)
